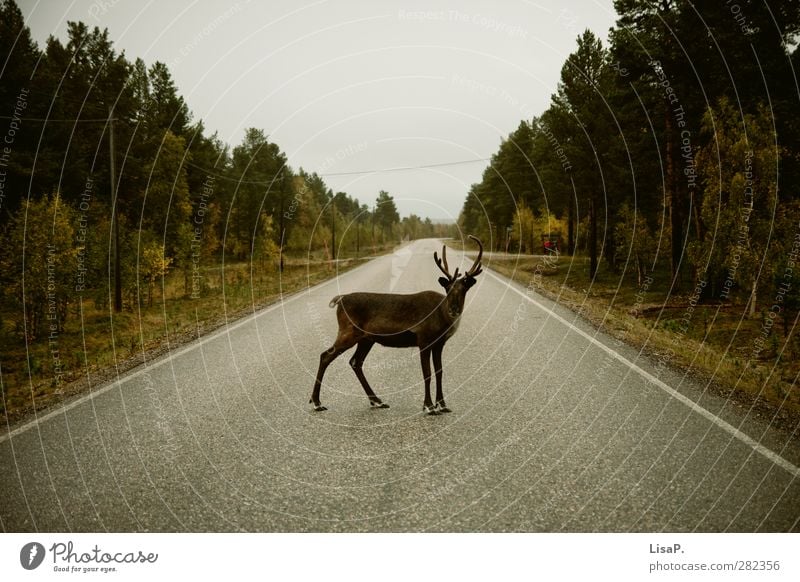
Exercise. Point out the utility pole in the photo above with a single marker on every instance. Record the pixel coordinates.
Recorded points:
(592, 238)
(115, 212)
(282, 228)
(333, 227)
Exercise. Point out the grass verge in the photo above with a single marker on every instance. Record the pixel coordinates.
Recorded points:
(96, 345)
(718, 344)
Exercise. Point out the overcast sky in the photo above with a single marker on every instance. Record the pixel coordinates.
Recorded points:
(343, 86)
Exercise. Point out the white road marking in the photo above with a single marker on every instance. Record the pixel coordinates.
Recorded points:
(160, 360)
(727, 427)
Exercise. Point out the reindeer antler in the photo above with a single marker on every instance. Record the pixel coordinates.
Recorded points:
(445, 269)
(476, 268)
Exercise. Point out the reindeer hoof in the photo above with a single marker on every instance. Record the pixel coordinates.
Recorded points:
(319, 408)
(442, 408)
(378, 404)
(431, 410)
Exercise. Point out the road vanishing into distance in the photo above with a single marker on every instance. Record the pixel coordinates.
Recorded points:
(555, 427)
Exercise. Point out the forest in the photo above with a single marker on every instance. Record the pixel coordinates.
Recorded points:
(664, 170)
(672, 148)
(112, 194)
(180, 197)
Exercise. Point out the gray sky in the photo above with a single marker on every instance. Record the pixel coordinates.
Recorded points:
(343, 86)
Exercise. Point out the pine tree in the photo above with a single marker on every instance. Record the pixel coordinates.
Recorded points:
(39, 279)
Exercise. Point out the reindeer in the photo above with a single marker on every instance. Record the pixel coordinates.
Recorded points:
(425, 320)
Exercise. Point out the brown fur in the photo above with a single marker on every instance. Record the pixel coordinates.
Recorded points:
(425, 320)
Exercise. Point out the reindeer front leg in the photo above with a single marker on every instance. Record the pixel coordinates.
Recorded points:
(425, 357)
(437, 368)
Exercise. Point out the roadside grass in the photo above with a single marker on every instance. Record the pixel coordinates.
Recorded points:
(97, 344)
(714, 342)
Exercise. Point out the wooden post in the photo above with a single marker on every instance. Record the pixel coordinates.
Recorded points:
(115, 212)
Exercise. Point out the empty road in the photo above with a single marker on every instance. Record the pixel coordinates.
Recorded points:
(555, 427)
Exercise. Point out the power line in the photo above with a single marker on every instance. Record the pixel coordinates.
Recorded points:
(376, 171)
(98, 120)
(403, 168)
(228, 178)
(352, 173)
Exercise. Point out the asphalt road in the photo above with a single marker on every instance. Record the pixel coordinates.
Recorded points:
(555, 427)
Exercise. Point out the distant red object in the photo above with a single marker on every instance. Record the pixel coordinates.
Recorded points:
(550, 242)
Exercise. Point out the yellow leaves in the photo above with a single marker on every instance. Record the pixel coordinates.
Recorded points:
(266, 249)
(43, 266)
(154, 263)
(522, 231)
(527, 228)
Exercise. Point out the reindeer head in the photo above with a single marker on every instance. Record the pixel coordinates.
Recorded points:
(455, 285)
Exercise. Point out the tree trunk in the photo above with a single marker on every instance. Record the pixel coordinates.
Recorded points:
(592, 238)
(531, 250)
(571, 227)
(639, 270)
(280, 249)
(673, 201)
(696, 201)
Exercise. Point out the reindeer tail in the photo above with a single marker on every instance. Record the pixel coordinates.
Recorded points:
(335, 301)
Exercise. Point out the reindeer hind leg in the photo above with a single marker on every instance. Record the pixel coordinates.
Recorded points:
(357, 362)
(344, 341)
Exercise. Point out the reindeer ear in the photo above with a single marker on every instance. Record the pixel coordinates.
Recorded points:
(469, 281)
(444, 282)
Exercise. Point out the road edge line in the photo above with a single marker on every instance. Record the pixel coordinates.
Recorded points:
(158, 361)
(769, 454)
